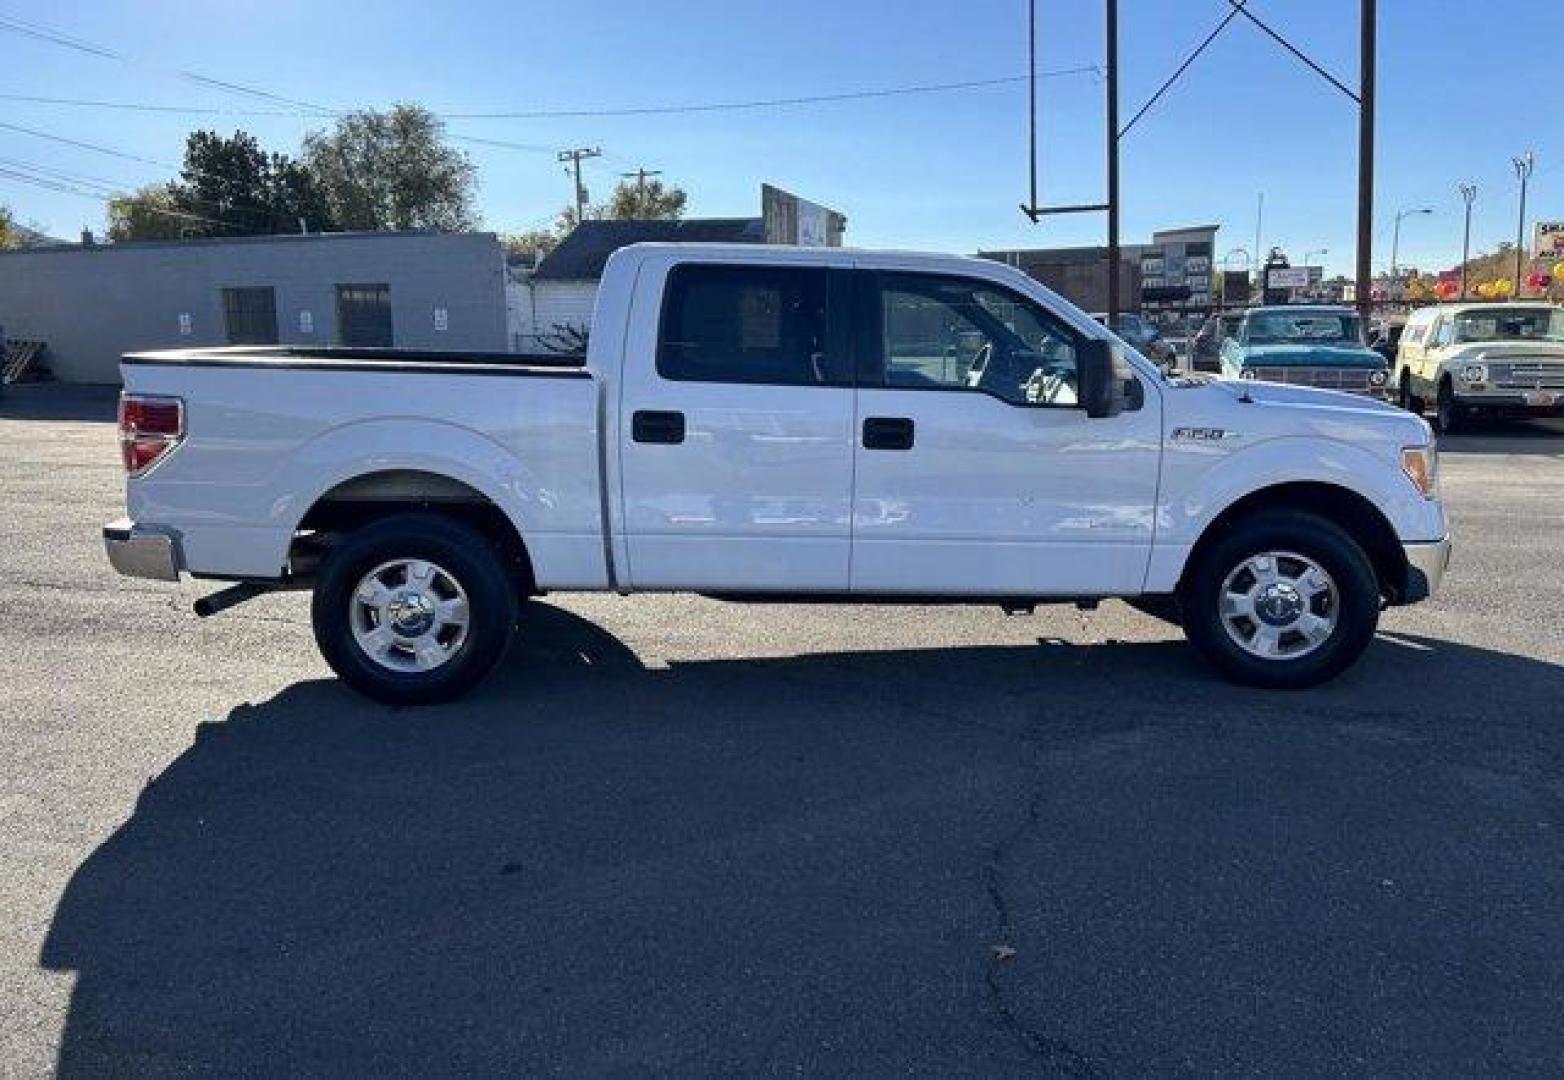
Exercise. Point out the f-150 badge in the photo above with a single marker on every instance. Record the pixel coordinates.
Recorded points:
(1203, 434)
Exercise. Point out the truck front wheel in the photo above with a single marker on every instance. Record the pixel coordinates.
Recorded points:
(1284, 600)
(414, 609)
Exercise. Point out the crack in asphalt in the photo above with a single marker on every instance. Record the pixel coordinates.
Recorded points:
(1058, 1055)
(1049, 1051)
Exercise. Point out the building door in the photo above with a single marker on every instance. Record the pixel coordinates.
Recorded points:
(736, 444)
(364, 316)
(250, 315)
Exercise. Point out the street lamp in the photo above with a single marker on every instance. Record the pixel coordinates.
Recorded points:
(1395, 243)
(1523, 166)
(1468, 193)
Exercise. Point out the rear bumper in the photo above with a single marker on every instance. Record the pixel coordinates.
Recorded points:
(1426, 566)
(136, 551)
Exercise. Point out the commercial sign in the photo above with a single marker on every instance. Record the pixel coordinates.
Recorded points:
(1287, 277)
(1548, 239)
(791, 220)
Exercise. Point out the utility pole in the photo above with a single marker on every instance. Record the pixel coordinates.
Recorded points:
(1367, 46)
(1523, 166)
(1113, 161)
(575, 157)
(1468, 193)
(640, 176)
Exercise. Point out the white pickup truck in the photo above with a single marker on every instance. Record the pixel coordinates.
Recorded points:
(761, 423)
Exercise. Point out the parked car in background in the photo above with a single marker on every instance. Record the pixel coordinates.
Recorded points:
(1306, 346)
(1386, 339)
(1205, 348)
(1142, 333)
(955, 433)
(1482, 358)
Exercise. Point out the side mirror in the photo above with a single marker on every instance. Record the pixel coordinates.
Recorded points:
(1102, 379)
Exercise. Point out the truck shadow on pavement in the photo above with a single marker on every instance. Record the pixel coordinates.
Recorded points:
(806, 863)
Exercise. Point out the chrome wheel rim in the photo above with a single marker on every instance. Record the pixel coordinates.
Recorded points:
(1279, 605)
(409, 615)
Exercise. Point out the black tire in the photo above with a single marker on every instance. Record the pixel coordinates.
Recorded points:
(466, 557)
(1406, 399)
(1447, 414)
(1314, 538)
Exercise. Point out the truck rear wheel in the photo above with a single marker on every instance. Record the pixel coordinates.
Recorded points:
(1285, 600)
(414, 609)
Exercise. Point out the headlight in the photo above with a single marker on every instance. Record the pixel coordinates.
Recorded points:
(1421, 464)
(1474, 373)
(1379, 378)
(1247, 373)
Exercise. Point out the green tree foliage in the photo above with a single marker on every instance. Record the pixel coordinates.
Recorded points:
(150, 213)
(650, 200)
(250, 191)
(392, 170)
(534, 243)
(7, 227)
(228, 187)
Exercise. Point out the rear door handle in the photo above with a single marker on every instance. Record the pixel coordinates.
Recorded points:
(887, 433)
(651, 426)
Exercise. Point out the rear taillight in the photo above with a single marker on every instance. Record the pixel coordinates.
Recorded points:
(149, 427)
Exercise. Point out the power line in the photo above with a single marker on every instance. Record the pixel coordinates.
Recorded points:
(321, 112)
(41, 181)
(766, 103)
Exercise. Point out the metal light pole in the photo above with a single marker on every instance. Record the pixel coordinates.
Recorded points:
(1395, 242)
(1523, 166)
(1468, 193)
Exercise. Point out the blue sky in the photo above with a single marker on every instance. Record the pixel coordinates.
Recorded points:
(1461, 92)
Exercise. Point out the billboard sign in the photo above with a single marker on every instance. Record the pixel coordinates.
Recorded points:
(792, 220)
(1548, 239)
(1287, 277)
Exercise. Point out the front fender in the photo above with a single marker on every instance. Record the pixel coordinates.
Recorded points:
(1201, 482)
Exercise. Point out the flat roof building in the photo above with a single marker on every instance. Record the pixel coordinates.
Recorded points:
(91, 303)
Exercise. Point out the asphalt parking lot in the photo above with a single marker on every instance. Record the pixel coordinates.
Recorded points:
(680, 837)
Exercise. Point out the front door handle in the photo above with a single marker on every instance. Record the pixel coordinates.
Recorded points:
(887, 433)
(652, 426)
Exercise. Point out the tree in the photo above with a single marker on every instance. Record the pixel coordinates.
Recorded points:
(534, 243)
(246, 190)
(152, 213)
(8, 234)
(228, 187)
(646, 200)
(392, 170)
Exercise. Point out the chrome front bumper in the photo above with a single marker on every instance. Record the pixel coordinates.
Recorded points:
(140, 552)
(1426, 565)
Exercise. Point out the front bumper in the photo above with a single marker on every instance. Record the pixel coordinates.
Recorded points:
(136, 551)
(1545, 402)
(1426, 566)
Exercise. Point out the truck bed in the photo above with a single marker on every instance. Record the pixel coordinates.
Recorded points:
(272, 430)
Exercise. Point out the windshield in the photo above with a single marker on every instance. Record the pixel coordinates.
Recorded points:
(1510, 324)
(1311, 328)
(1136, 329)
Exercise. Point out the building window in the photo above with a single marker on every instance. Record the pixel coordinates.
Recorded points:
(250, 315)
(364, 316)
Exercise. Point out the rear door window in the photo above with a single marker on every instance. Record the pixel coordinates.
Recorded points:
(749, 324)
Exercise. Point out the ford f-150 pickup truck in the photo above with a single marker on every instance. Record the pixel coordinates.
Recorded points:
(760, 423)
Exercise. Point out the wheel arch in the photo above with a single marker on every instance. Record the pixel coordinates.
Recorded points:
(1351, 511)
(374, 495)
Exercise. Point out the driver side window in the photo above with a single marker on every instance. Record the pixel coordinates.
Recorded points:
(943, 333)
